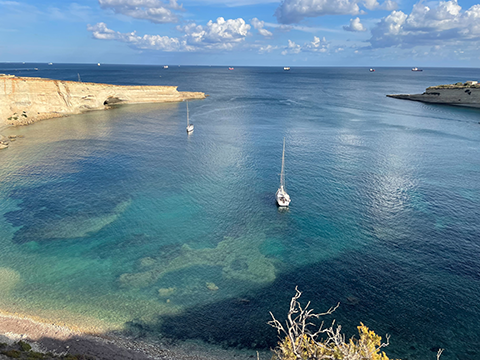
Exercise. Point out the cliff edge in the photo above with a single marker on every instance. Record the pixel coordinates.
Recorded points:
(26, 100)
(460, 94)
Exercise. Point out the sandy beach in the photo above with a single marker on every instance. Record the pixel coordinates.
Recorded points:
(61, 340)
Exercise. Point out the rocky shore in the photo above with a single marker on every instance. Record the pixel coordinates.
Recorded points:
(25, 338)
(6, 140)
(26, 100)
(460, 94)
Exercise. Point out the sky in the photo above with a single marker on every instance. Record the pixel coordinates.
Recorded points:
(243, 32)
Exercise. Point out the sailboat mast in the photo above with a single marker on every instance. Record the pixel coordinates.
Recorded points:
(282, 174)
(188, 119)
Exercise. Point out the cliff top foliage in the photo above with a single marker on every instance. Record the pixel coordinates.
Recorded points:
(300, 339)
(458, 85)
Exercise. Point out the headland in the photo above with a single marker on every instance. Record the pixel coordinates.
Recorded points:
(460, 94)
(24, 100)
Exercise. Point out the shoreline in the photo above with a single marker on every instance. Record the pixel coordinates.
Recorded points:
(25, 100)
(62, 340)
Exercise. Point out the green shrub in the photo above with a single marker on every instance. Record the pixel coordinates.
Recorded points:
(24, 346)
(32, 355)
(12, 354)
(303, 341)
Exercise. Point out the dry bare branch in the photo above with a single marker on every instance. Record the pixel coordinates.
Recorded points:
(439, 353)
(304, 341)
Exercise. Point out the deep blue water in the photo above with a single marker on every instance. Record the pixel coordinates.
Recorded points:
(119, 215)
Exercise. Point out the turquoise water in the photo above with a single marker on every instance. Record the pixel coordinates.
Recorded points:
(119, 219)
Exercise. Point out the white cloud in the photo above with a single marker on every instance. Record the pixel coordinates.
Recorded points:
(371, 4)
(355, 25)
(292, 48)
(259, 25)
(155, 11)
(267, 49)
(389, 5)
(219, 35)
(234, 3)
(425, 25)
(151, 42)
(294, 11)
(317, 45)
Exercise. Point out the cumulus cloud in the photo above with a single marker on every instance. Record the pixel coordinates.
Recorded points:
(219, 35)
(294, 11)
(259, 25)
(317, 45)
(355, 25)
(155, 11)
(151, 42)
(425, 25)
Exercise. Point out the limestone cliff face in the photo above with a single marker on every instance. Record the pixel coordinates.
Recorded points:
(26, 100)
(447, 94)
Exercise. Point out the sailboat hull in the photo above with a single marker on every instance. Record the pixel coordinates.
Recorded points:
(282, 198)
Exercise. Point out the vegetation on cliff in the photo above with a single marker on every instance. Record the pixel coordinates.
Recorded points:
(458, 85)
(304, 341)
(23, 350)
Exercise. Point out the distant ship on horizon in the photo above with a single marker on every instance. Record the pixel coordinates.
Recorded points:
(416, 69)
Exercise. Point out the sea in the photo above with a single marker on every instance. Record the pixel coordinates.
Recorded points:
(119, 221)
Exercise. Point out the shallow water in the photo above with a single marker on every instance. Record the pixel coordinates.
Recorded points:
(119, 220)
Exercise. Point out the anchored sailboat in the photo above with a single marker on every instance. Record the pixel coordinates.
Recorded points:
(283, 199)
(189, 126)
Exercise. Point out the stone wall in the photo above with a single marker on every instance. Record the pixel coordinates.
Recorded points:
(26, 100)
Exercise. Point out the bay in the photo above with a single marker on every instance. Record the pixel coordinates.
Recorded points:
(118, 220)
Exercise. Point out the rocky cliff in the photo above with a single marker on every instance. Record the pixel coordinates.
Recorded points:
(26, 100)
(462, 94)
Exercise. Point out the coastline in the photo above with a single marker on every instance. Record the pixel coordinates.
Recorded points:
(48, 337)
(25, 100)
(460, 94)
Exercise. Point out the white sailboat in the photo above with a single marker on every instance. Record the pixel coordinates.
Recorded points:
(189, 126)
(283, 199)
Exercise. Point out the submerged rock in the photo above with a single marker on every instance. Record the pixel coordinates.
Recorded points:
(239, 258)
(9, 278)
(75, 225)
(211, 286)
(166, 292)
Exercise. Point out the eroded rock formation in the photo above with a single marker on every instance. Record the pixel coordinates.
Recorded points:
(25, 100)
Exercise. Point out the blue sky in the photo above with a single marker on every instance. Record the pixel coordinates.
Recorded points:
(242, 32)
